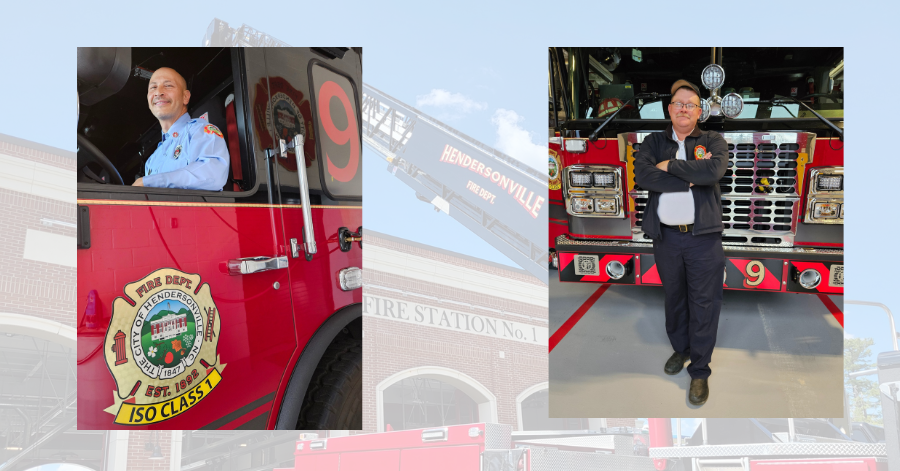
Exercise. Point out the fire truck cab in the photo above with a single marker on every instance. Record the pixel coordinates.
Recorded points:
(781, 112)
(237, 308)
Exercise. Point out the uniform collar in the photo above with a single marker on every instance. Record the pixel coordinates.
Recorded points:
(695, 133)
(177, 127)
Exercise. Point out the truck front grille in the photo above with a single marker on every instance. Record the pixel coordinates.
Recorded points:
(761, 169)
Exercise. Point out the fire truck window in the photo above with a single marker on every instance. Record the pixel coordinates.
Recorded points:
(750, 109)
(653, 111)
(336, 114)
(763, 77)
(425, 402)
(536, 415)
(859, 436)
(121, 127)
(785, 111)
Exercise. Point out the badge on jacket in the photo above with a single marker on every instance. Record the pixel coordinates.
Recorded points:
(700, 152)
(177, 152)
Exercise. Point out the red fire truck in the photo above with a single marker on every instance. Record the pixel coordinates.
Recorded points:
(237, 308)
(475, 447)
(781, 112)
(716, 444)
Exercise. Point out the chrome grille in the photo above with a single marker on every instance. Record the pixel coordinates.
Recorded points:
(497, 436)
(761, 169)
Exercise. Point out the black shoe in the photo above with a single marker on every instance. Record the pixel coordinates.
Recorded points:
(699, 392)
(675, 363)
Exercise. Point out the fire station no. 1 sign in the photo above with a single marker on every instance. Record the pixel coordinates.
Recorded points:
(161, 350)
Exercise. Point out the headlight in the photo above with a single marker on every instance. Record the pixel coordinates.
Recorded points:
(605, 179)
(713, 76)
(594, 191)
(826, 210)
(732, 105)
(583, 205)
(615, 269)
(580, 179)
(606, 205)
(829, 182)
(704, 110)
(810, 278)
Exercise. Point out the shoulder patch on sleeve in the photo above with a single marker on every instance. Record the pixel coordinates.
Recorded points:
(212, 129)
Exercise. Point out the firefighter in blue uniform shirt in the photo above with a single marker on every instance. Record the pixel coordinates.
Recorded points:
(681, 168)
(192, 153)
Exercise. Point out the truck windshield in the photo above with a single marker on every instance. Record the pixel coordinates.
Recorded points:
(595, 82)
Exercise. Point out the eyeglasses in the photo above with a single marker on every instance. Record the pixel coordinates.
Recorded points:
(687, 106)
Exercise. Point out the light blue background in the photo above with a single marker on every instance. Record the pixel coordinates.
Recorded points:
(496, 53)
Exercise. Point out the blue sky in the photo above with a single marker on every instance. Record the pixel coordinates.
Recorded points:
(488, 57)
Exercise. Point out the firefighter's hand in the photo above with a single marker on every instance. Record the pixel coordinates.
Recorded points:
(664, 165)
(138, 182)
(690, 185)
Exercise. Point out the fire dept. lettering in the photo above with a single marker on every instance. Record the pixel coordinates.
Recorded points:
(155, 283)
(484, 194)
(532, 203)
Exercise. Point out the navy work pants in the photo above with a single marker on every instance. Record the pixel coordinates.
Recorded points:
(692, 270)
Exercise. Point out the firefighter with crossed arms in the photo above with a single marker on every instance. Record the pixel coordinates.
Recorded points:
(681, 168)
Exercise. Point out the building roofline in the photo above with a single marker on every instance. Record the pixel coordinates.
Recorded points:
(441, 251)
(37, 146)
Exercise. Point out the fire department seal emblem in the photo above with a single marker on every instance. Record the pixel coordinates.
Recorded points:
(175, 134)
(285, 115)
(161, 347)
(553, 166)
(177, 152)
(212, 129)
(700, 152)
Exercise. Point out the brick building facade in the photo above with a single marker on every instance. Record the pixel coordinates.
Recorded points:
(476, 326)
(37, 207)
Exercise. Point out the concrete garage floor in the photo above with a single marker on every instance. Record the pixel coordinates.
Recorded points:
(777, 355)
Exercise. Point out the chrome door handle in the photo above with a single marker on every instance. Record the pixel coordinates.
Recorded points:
(245, 266)
(309, 238)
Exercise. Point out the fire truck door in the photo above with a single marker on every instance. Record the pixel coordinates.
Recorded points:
(256, 338)
(316, 96)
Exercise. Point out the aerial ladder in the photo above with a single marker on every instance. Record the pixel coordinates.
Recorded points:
(504, 208)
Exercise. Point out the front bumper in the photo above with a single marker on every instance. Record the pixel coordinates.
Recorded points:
(774, 269)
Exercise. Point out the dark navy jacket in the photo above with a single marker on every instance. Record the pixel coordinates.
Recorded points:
(704, 173)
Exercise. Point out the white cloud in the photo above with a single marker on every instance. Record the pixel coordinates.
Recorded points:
(456, 104)
(514, 140)
(848, 335)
